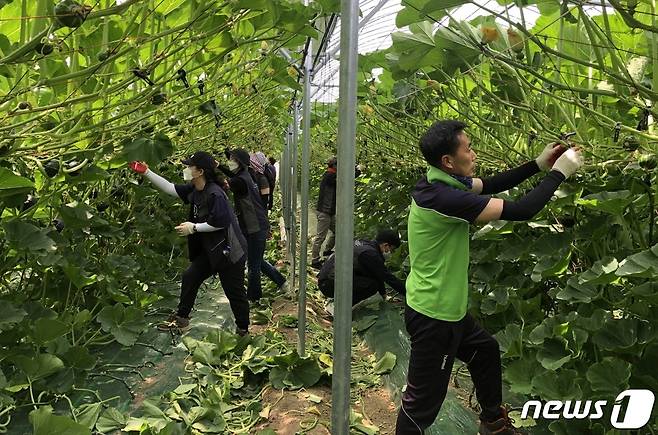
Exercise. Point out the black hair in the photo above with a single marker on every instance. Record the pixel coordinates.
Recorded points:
(442, 138)
(388, 236)
(272, 160)
(211, 175)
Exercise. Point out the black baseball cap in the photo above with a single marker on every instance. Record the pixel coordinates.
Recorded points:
(200, 159)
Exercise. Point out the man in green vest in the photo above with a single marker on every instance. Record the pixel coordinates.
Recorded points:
(444, 204)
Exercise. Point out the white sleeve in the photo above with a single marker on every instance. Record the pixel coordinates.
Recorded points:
(206, 228)
(161, 183)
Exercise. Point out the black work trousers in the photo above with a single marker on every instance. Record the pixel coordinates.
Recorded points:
(434, 346)
(362, 289)
(231, 277)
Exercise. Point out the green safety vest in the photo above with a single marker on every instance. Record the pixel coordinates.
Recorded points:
(437, 285)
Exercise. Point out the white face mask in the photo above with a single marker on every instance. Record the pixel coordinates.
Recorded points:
(187, 174)
(233, 166)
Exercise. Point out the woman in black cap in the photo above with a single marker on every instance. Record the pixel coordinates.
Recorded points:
(252, 216)
(215, 242)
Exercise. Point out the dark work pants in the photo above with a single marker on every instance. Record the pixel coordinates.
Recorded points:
(256, 264)
(434, 346)
(361, 290)
(232, 280)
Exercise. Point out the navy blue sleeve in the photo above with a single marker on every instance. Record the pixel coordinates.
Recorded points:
(452, 202)
(219, 215)
(183, 191)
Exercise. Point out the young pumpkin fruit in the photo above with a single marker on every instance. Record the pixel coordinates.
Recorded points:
(69, 13)
(515, 40)
(489, 34)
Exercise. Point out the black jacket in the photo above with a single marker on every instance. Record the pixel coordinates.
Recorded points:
(370, 271)
(327, 196)
(224, 247)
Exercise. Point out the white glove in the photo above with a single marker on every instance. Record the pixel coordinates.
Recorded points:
(569, 162)
(185, 229)
(548, 156)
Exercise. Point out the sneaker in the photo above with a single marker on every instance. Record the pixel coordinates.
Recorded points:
(316, 265)
(504, 425)
(241, 332)
(175, 323)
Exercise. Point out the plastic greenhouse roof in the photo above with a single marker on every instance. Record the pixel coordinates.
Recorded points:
(376, 25)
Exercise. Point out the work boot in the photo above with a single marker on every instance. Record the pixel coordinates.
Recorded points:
(241, 332)
(503, 425)
(175, 323)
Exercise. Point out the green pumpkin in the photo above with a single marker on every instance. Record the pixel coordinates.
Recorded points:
(69, 13)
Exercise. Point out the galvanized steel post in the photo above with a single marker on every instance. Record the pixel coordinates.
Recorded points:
(305, 174)
(340, 391)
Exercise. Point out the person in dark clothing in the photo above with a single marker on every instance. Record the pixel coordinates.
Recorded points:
(444, 204)
(253, 221)
(270, 173)
(370, 271)
(257, 162)
(326, 214)
(215, 242)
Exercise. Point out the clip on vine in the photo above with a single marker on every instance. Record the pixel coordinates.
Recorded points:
(182, 76)
(201, 85)
(531, 137)
(643, 125)
(615, 136)
(142, 75)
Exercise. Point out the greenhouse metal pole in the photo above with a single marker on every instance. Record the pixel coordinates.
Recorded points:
(283, 185)
(340, 381)
(303, 251)
(293, 195)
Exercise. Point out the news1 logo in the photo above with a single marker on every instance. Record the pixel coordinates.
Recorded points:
(636, 413)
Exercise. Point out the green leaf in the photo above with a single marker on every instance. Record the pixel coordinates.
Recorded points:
(12, 184)
(602, 272)
(24, 236)
(642, 265)
(551, 266)
(151, 150)
(519, 375)
(364, 323)
(329, 6)
(184, 389)
(294, 372)
(609, 202)
(88, 414)
(110, 420)
(385, 364)
(610, 376)
(45, 423)
(557, 386)
(125, 324)
(578, 292)
(510, 340)
(11, 315)
(39, 366)
(79, 357)
(553, 354)
(45, 330)
(617, 334)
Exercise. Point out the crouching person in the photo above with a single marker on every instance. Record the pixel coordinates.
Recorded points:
(370, 273)
(215, 243)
